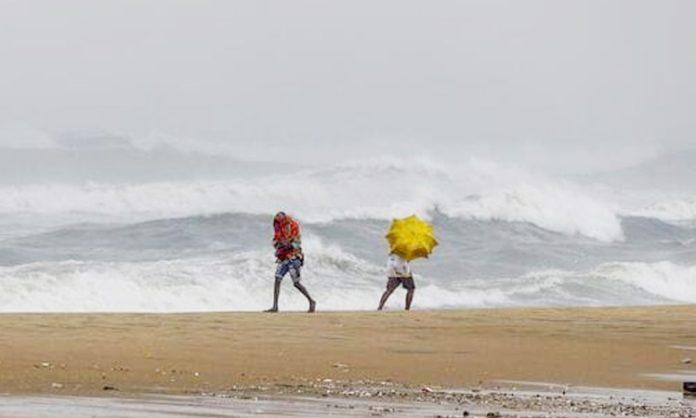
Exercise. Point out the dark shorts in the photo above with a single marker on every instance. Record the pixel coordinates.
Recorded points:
(406, 282)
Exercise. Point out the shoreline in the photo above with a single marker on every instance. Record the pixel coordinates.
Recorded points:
(346, 400)
(189, 353)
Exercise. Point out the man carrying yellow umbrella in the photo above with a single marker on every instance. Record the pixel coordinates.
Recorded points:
(409, 238)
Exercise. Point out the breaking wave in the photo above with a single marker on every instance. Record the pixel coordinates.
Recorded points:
(664, 279)
(224, 262)
(508, 237)
(670, 210)
(338, 281)
(376, 189)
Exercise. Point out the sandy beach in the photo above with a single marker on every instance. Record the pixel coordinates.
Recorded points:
(200, 353)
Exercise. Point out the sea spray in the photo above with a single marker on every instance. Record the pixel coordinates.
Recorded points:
(508, 237)
(373, 189)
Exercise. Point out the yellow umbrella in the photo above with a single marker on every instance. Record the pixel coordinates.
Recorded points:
(411, 238)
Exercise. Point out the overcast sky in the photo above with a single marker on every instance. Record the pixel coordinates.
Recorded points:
(555, 84)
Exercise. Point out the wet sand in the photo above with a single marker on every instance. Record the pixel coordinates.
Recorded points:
(118, 354)
(383, 402)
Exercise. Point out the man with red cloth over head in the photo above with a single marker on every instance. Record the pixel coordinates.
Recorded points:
(288, 252)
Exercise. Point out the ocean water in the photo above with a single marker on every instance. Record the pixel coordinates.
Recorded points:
(508, 237)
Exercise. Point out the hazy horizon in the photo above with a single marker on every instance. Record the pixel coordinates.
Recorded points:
(560, 86)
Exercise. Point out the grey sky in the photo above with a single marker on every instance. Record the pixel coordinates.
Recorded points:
(557, 84)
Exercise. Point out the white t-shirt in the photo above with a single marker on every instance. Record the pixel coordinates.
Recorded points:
(397, 267)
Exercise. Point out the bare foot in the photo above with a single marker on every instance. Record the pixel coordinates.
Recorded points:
(272, 310)
(312, 306)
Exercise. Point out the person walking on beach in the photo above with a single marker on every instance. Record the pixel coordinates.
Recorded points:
(398, 273)
(289, 257)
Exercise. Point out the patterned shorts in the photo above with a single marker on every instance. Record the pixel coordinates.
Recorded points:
(291, 266)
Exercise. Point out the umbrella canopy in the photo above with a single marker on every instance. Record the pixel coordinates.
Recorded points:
(411, 238)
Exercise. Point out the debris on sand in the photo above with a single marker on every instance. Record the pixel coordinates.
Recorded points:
(494, 403)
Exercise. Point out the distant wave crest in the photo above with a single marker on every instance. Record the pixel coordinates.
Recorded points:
(372, 189)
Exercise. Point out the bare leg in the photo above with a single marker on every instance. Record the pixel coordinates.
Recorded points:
(303, 290)
(276, 294)
(409, 298)
(386, 294)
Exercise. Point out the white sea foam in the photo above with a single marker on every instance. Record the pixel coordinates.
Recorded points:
(338, 280)
(242, 282)
(381, 189)
(668, 280)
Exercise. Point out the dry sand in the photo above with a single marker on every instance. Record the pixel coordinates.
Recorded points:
(210, 352)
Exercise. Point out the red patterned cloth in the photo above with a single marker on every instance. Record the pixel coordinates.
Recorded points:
(286, 237)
